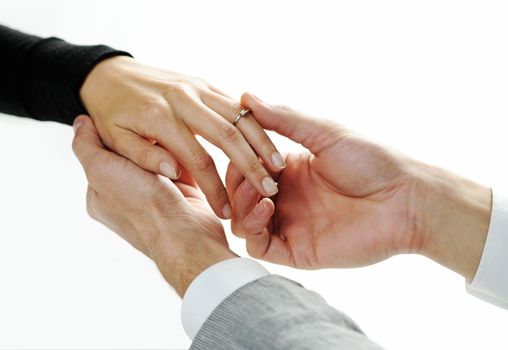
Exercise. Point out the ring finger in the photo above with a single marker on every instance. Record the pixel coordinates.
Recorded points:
(224, 135)
(249, 127)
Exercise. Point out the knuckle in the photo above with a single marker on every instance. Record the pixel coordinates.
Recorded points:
(175, 89)
(252, 225)
(228, 132)
(202, 161)
(217, 192)
(177, 93)
(153, 107)
(256, 167)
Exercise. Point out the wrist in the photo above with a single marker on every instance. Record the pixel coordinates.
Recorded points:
(452, 220)
(181, 262)
(98, 80)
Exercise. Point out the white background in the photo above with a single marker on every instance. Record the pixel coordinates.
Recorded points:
(427, 77)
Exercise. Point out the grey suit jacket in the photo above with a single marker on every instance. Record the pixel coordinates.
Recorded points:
(276, 313)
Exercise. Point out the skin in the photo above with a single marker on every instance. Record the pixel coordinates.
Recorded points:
(346, 202)
(350, 202)
(151, 117)
(167, 221)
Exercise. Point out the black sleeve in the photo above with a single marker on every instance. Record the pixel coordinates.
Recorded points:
(41, 78)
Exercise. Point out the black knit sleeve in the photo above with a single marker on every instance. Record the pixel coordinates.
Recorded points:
(41, 78)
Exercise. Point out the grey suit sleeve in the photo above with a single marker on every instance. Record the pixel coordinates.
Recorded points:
(276, 313)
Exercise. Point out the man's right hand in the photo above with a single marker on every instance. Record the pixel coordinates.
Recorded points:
(169, 222)
(351, 202)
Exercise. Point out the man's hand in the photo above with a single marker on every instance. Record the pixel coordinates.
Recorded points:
(151, 117)
(351, 202)
(168, 222)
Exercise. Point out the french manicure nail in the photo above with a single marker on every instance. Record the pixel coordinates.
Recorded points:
(277, 160)
(168, 171)
(269, 185)
(226, 211)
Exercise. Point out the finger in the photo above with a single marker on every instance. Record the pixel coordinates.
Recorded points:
(303, 129)
(226, 136)
(269, 247)
(86, 143)
(147, 155)
(189, 191)
(259, 217)
(261, 245)
(188, 186)
(186, 178)
(233, 179)
(249, 127)
(182, 143)
(244, 201)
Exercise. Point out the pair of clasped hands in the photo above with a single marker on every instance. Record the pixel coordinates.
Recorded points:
(345, 202)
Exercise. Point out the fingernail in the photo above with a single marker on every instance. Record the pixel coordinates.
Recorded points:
(226, 211)
(269, 185)
(168, 171)
(75, 126)
(258, 210)
(277, 160)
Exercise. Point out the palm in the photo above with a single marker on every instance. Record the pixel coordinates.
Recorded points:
(201, 212)
(341, 208)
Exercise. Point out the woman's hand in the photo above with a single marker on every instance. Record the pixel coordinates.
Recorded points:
(151, 117)
(351, 202)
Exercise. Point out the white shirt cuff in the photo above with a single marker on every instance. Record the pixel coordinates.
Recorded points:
(490, 282)
(214, 285)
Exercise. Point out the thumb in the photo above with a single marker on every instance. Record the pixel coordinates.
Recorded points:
(86, 143)
(310, 132)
